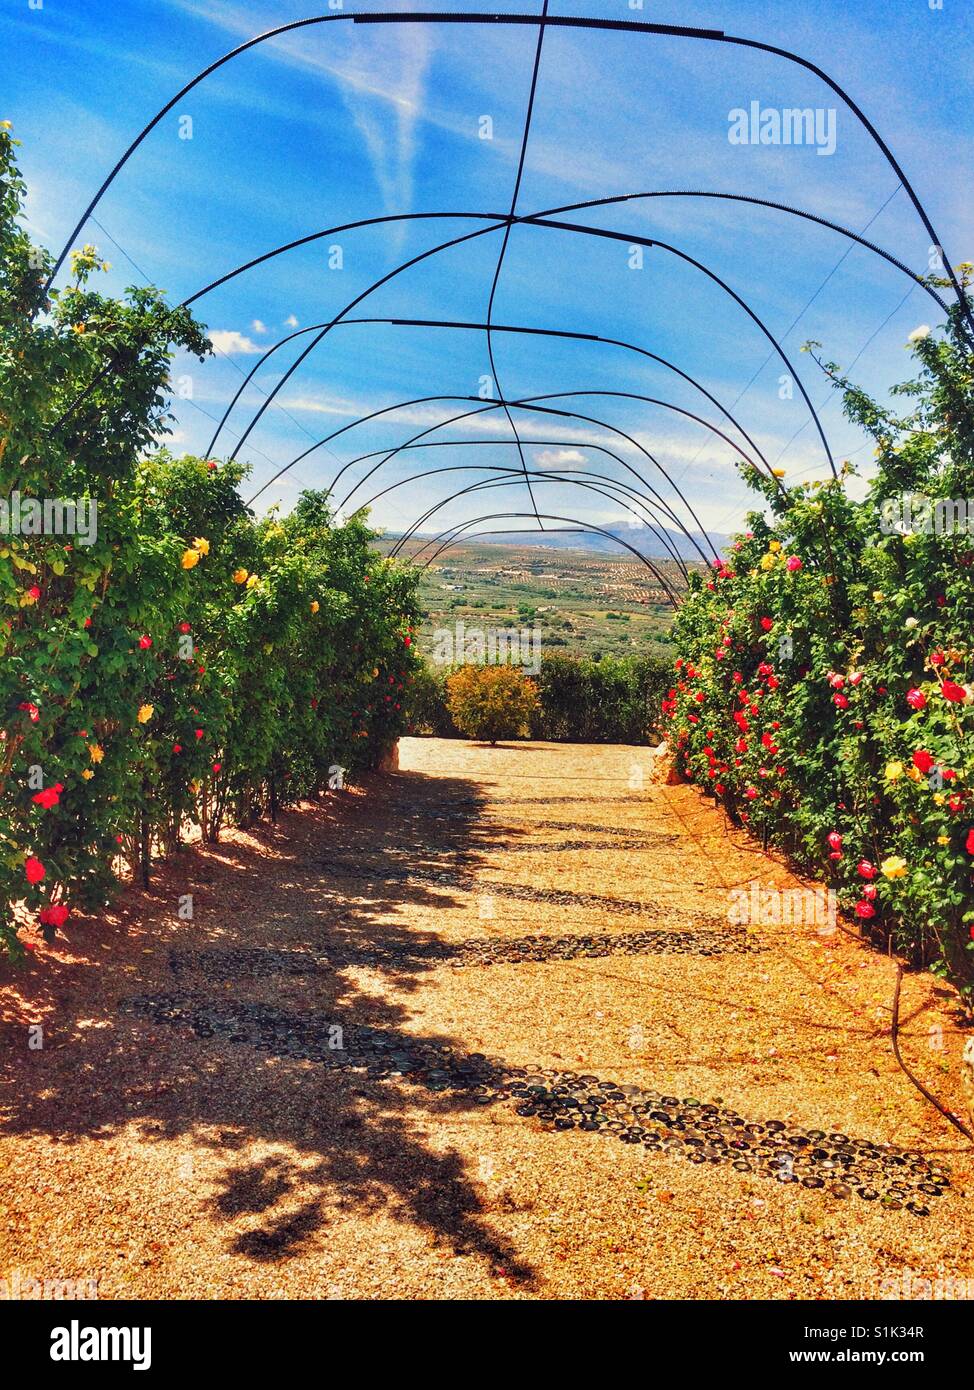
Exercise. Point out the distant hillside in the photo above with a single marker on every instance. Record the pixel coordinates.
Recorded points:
(640, 538)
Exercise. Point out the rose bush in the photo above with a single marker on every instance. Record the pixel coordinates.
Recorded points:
(825, 683)
(191, 663)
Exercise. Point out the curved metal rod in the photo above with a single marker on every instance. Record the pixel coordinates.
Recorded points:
(495, 328)
(575, 415)
(511, 476)
(572, 521)
(498, 219)
(756, 202)
(498, 468)
(535, 221)
(486, 484)
(664, 246)
(562, 414)
(383, 280)
(529, 403)
(557, 21)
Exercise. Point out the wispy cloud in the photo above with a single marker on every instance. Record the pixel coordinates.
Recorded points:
(382, 79)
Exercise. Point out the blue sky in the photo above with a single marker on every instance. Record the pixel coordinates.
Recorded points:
(341, 122)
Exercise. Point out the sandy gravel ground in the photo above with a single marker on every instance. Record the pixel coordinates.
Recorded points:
(161, 1163)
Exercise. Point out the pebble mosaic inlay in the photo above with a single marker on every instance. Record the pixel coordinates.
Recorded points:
(701, 1132)
(489, 950)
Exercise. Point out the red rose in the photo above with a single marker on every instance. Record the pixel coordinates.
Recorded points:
(923, 761)
(969, 843)
(834, 840)
(767, 624)
(866, 869)
(953, 692)
(865, 909)
(34, 870)
(916, 699)
(840, 701)
(145, 642)
(199, 733)
(58, 914)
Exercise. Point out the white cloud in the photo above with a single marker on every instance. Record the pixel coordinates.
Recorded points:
(559, 458)
(258, 327)
(291, 321)
(228, 340)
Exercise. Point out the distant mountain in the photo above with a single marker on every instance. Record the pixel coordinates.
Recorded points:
(640, 538)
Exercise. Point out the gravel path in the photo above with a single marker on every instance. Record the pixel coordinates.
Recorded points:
(480, 1029)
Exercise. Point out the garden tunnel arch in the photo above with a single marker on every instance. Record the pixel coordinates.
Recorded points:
(541, 22)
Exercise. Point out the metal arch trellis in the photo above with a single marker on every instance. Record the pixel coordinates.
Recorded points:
(555, 474)
(586, 526)
(541, 22)
(549, 21)
(628, 238)
(530, 404)
(496, 328)
(511, 475)
(481, 407)
(499, 219)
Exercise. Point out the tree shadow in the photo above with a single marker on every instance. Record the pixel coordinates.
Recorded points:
(248, 1059)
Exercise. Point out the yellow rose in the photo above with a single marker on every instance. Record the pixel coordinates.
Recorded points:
(145, 713)
(315, 605)
(878, 596)
(894, 771)
(252, 582)
(767, 562)
(87, 774)
(894, 867)
(774, 545)
(240, 576)
(943, 839)
(201, 544)
(914, 774)
(778, 472)
(95, 752)
(190, 558)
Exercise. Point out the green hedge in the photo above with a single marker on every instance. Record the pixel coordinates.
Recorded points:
(612, 700)
(183, 662)
(824, 690)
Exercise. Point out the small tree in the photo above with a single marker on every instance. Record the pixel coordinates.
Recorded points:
(491, 702)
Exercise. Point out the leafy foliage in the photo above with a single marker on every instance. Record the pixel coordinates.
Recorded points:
(491, 702)
(825, 682)
(611, 700)
(190, 658)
